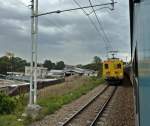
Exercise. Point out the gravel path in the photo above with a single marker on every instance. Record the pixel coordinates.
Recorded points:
(67, 110)
(121, 108)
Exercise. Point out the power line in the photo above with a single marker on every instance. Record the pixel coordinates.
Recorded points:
(58, 26)
(105, 35)
(92, 22)
(99, 21)
(100, 9)
(23, 4)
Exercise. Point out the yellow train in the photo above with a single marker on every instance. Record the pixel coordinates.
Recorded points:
(113, 70)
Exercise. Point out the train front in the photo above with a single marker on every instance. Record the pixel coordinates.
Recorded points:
(113, 71)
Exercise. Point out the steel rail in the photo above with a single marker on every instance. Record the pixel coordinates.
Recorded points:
(103, 108)
(84, 107)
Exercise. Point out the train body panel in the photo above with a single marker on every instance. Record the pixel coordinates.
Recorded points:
(113, 71)
(140, 45)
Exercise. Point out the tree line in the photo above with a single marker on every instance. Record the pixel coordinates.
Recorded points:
(17, 64)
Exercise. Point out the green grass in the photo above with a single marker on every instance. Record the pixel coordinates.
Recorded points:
(52, 103)
(49, 103)
(9, 120)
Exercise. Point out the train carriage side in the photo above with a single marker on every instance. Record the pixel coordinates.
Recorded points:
(140, 49)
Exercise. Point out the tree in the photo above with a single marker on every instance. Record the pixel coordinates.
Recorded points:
(97, 59)
(4, 65)
(95, 65)
(48, 64)
(60, 65)
(13, 64)
(98, 65)
(18, 64)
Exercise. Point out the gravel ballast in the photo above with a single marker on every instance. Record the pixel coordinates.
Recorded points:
(121, 108)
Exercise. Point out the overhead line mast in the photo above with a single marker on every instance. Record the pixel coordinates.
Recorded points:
(33, 64)
(34, 37)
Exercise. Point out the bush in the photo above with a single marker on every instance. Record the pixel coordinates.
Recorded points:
(7, 104)
(9, 120)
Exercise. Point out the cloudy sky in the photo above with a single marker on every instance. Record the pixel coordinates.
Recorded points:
(67, 36)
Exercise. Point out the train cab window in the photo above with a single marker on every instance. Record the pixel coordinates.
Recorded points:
(106, 66)
(119, 66)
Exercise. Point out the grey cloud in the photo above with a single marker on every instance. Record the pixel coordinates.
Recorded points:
(67, 36)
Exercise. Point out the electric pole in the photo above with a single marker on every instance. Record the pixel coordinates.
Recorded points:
(33, 64)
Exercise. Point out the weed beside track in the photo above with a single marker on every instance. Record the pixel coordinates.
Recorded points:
(54, 97)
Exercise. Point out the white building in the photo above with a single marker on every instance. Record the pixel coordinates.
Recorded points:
(56, 73)
(15, 73)
(41, 71)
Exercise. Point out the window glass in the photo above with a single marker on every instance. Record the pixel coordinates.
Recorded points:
(119, 66)
(106, 66)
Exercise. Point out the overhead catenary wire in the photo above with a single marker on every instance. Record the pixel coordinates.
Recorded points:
(101, 26)
(93, 23)
(60, 28)
(23, 4)
(100, 9)
(73, 9)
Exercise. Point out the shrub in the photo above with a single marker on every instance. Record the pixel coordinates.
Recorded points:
(9, 120)
(7, 104)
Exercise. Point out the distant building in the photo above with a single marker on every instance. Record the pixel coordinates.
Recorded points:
(41, 71)
(72, 70)
(90, 72)
(56, 73)
(15, 73)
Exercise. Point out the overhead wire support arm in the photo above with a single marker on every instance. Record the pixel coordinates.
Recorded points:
(73, 9)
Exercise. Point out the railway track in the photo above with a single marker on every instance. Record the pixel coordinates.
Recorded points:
(100, 113)
(90, 113)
